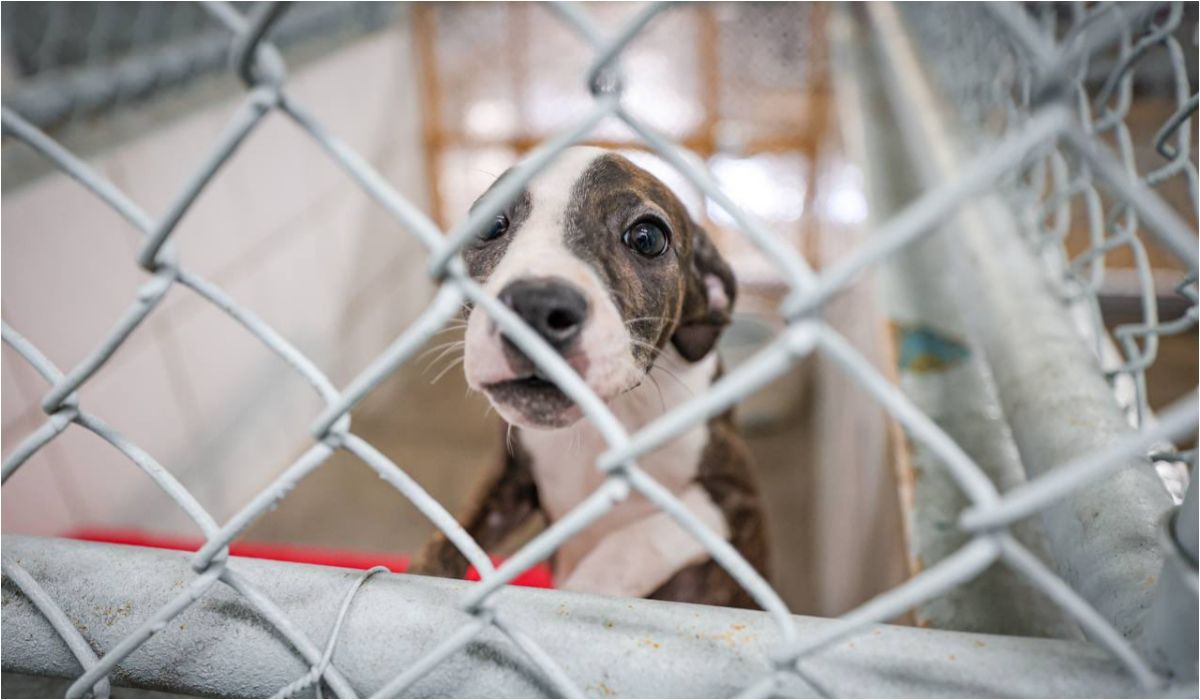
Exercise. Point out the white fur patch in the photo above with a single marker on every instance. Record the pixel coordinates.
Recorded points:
(564, 467)
(637, 559)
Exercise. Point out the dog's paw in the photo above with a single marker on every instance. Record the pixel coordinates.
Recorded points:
(611, 579)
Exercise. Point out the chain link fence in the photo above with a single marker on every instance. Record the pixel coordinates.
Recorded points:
(70, 61)
(1060, 189)
(1048, 152)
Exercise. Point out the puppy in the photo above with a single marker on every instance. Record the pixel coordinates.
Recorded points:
(603, 261)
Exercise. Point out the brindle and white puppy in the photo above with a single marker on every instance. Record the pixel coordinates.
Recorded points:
(603, 260)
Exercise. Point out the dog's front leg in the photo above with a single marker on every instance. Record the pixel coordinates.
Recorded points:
(505, 499)
(637, 559)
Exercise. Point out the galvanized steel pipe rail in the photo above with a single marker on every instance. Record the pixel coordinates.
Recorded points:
(634, 648)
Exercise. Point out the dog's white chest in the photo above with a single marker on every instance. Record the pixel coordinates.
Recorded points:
(564, 461)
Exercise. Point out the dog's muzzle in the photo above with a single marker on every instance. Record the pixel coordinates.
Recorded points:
(558, 312)
(553, 308)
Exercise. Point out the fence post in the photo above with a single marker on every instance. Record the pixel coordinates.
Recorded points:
(1054, 398)
(961, 399)
(1171, 633)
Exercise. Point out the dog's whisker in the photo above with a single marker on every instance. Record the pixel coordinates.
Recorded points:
(652, 348)
(672, 375)
(657, 352)
(662, 403)
(660, 358)
(454, 360)
(430, 364)
(444, 348)
(447, 368)
(443, 331)
(442, 372)
(644, 344)
(663, 363)
(448, 329)
(646, 319)
(439, 346)
(448, 348)
(669, 363)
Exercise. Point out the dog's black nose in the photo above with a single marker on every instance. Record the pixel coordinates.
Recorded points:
(553, 308)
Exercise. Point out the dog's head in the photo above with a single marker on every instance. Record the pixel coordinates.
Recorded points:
(603, 261)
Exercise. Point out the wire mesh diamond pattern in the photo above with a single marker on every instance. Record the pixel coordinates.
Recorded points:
(1053, 141)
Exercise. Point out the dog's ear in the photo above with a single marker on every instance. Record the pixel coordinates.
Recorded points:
(709, 291)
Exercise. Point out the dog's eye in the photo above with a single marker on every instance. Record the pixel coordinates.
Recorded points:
(646, 238)
(498, 228)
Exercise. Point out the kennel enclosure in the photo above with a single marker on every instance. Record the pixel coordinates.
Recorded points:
(981, 133)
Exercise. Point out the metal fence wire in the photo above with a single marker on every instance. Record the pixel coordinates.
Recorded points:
(75, 60)
(1049, 153)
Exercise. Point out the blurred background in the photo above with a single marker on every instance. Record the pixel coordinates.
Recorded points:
(440, 98)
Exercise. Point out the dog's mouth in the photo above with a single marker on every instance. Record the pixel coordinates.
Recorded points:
(538, 401)
(533, 384)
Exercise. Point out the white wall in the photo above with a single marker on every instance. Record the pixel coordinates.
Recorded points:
(281, 228)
